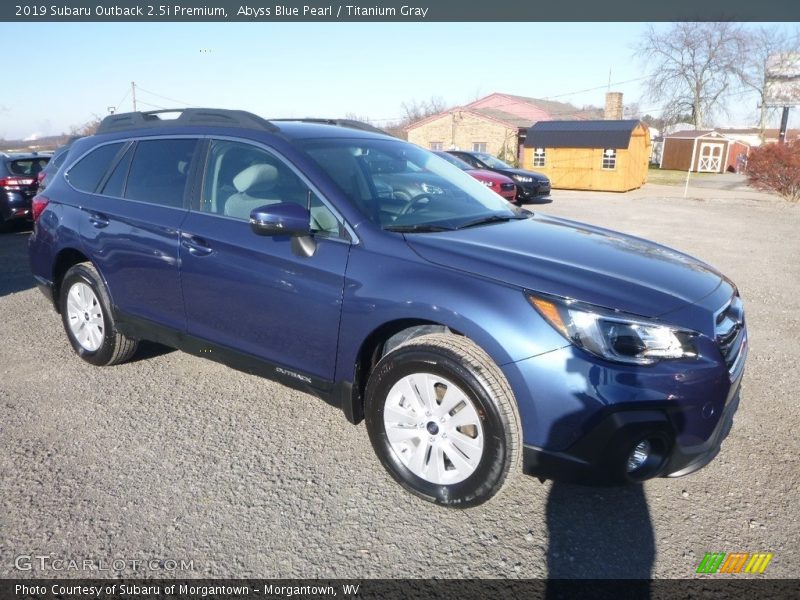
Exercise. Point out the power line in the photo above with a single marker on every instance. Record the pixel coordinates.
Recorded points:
(118, 104)
(141, 89)
(153, 105)
(599, 87)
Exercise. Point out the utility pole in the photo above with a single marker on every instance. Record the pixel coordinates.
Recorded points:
(133, 93)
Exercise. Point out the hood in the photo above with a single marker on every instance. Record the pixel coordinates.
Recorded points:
(490, 175)
(536, 176)
(574, 260)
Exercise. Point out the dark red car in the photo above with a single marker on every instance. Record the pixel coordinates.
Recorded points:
(496, 182)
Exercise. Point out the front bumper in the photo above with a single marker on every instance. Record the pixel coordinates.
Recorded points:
(600, 457)
(533, 191)
(510, 195)
(582, 417)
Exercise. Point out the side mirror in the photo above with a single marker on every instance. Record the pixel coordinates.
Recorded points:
(284, 218)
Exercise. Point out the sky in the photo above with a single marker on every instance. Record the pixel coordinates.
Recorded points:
(315, 69)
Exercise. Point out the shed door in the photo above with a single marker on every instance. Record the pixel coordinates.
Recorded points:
(710, 157)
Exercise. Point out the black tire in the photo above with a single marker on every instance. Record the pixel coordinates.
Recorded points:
(462, 362)
(115, 348)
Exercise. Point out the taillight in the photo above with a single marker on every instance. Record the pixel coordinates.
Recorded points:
(14, 183)
(38, 204)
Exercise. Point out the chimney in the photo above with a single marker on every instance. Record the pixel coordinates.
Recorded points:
(613, 106)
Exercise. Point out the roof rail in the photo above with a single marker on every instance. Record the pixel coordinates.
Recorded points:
(351, 123)
(187, 116)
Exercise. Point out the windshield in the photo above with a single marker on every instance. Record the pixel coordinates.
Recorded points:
(457, 162)
(491, 161)
(402, 187)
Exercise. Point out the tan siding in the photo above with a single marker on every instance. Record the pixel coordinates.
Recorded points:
(581, 168)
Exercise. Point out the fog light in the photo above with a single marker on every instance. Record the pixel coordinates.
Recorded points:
(639, 455)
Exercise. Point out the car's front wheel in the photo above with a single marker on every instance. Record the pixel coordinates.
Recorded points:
(88, 320)
(443, 421)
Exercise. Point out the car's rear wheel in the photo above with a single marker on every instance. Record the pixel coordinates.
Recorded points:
(443, 421)
(88, 320)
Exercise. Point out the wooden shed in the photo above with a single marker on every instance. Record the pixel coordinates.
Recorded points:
(702, 151)
(608, 155)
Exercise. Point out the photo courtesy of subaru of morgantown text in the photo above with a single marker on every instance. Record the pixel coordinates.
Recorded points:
(476, 339)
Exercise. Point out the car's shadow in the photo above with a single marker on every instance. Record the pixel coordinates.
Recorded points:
(533, 203)
(599, 533)
(148, 350)
(15, 272)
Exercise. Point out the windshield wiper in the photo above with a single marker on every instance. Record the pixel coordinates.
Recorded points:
(491, 219)
(418, 228)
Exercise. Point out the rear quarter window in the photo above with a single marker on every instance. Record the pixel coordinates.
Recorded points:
(86, 174)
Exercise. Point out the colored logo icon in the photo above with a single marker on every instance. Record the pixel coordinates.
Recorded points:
(735, 562)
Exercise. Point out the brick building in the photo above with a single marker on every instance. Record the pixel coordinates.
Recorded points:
(497, 124)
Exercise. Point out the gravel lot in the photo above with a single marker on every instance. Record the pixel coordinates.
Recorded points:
(174, 457)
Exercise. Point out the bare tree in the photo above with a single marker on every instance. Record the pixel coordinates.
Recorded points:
(761, 43)
(694, 66)
(356, 117)
(416, 111)
(88, 128)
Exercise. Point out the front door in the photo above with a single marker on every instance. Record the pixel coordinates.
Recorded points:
(710, 157)
(260, 295)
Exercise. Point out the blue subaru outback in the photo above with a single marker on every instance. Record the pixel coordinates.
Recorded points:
(475, 339)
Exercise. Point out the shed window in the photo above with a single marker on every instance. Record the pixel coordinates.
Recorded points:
(479, 146)
(437, 146)
(539, 157)
(609, 158)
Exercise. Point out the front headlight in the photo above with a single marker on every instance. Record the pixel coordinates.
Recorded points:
(522, 178)
(613, 335)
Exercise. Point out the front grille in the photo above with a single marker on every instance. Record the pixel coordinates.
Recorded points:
(506, 187)
(731, 333)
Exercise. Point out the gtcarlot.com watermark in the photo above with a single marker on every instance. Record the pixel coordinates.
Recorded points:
(45, 562)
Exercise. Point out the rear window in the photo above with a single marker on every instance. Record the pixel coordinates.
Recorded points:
(27, 167)
(87, 173)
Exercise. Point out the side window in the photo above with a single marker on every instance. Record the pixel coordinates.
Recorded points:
(115, 184)
(470, 159)
(240, 178)
(159, 171)
(323, 221)
(87, 173)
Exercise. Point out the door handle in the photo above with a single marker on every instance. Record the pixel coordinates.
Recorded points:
(98, 220)
(195, 245)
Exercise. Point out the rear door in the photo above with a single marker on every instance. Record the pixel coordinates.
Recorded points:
(260, 295)
(131, 222)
